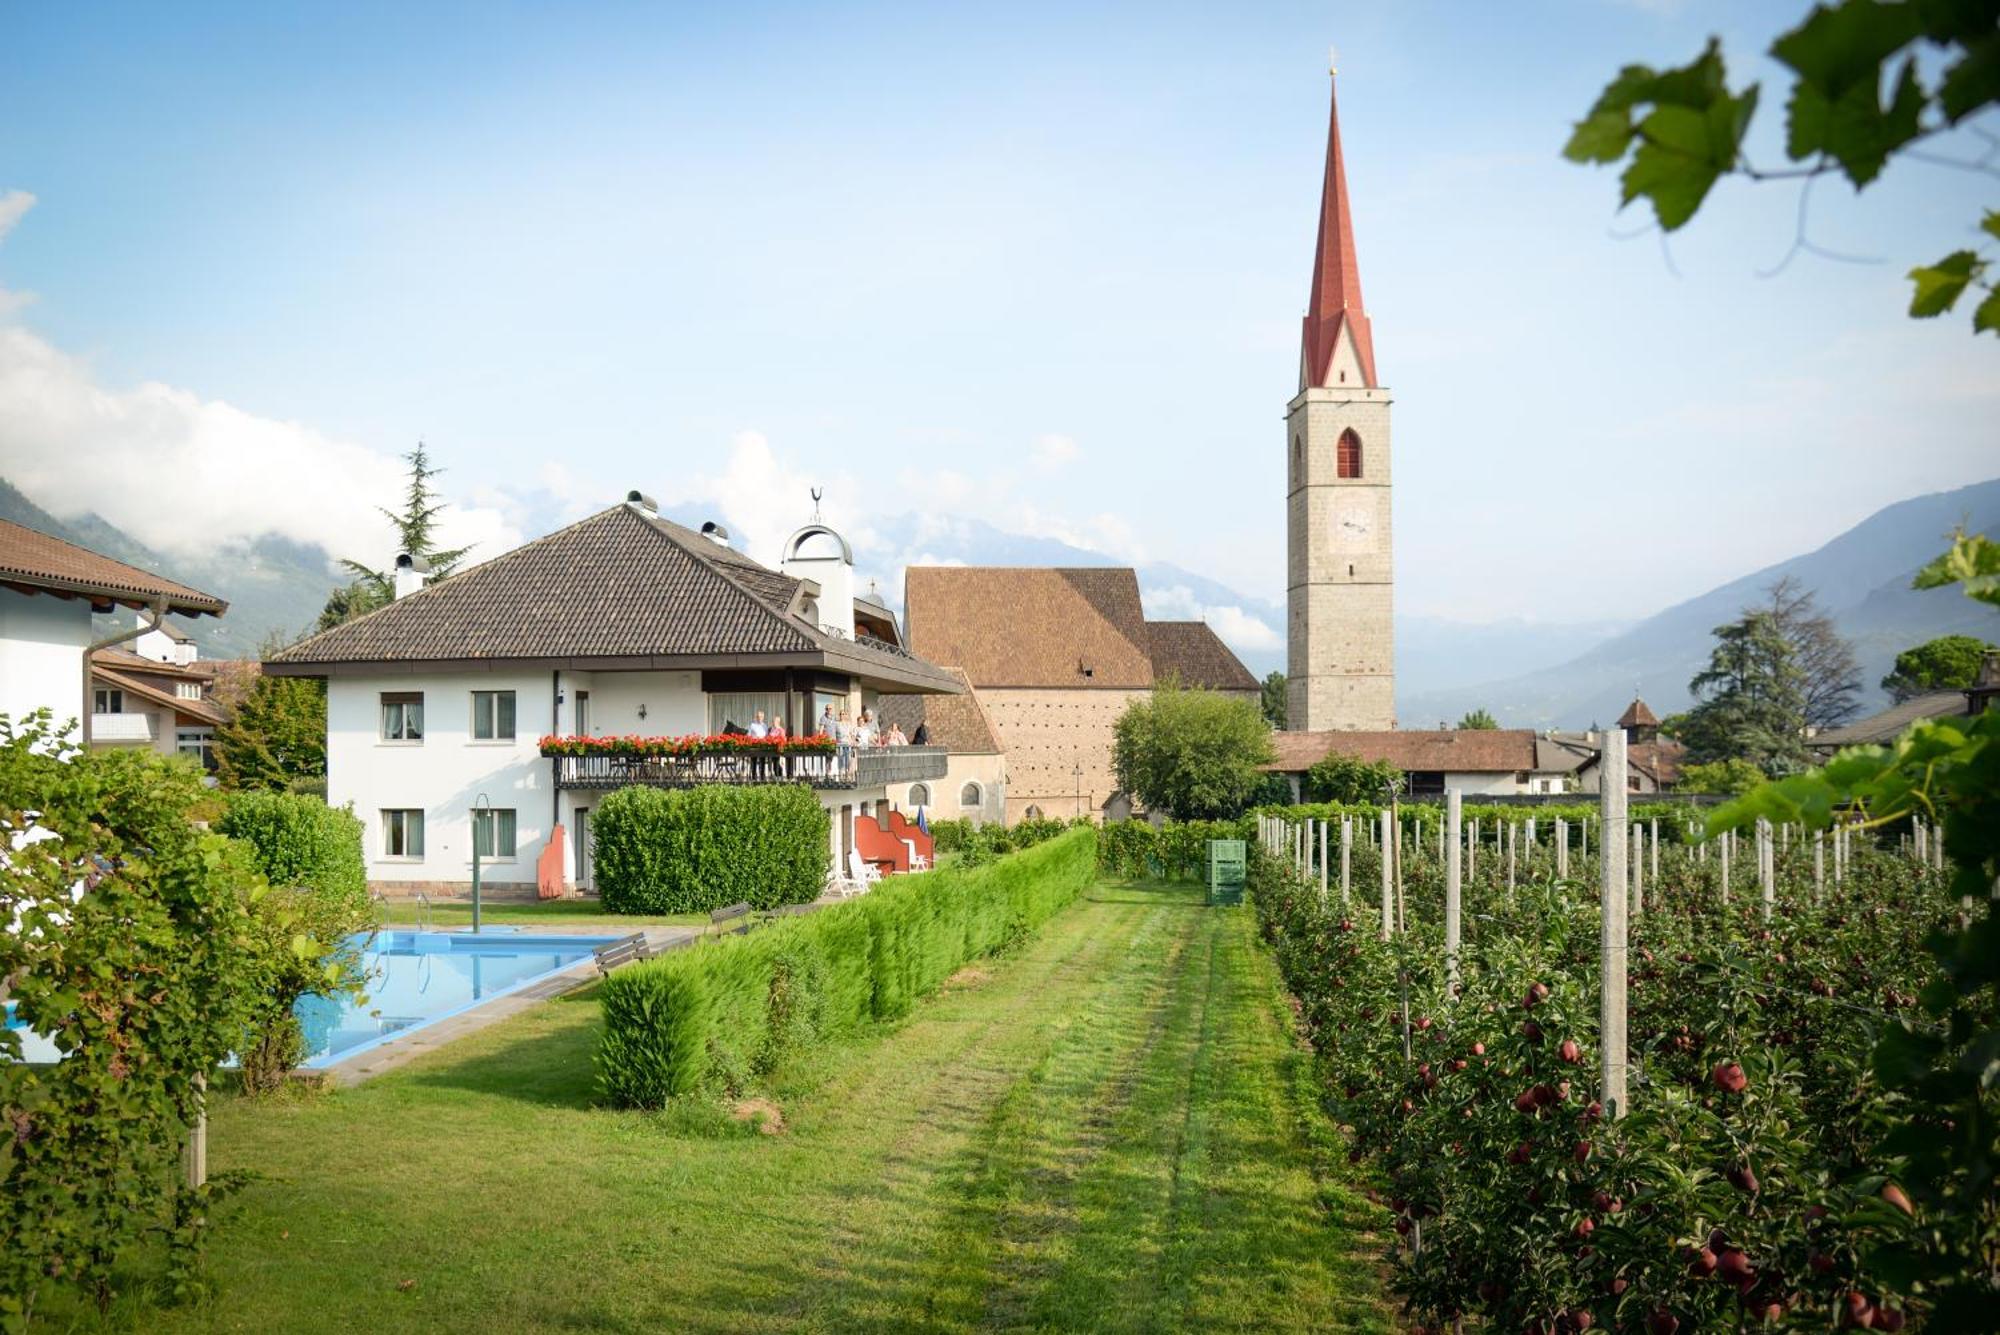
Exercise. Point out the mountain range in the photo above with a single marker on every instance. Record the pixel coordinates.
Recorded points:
(1529, 674)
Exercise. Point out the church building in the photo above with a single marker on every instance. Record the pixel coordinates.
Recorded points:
(1341, 570)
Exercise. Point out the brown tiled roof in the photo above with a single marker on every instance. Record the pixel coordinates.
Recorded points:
(1892, 722)
(621, 584)
(1637, 715)
(959, 723)
(204, 710)
(126, 661)
(1660, 758)
(35, 560)
(1454, 750)
(1015, 626)
(1192, 653)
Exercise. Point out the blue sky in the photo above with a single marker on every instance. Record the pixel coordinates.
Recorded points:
(1042, 264)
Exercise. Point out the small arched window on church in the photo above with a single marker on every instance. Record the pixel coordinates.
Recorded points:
(1298, 456)
(920, 794)
(969, 795)
(1347, 457)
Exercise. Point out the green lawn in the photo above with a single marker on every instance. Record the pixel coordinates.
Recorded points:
(1104, 1131)
(549, 913)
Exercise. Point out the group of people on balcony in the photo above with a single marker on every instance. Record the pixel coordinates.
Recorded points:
(851, 735)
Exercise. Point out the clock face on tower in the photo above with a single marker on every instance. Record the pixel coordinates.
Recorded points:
(1353, 527)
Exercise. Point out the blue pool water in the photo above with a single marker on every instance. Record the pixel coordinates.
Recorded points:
(416, 978)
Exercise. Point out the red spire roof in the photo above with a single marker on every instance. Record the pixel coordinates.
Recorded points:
(1336, 285)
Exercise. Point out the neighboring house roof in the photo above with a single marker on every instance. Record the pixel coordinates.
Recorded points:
(1637, 715)
(1660, 759)
(1015, 626)
(202, 710)
(1192, 653)
(1555, 757)
(620, 586)
(1892, 722)
(959, 723)
(35, 562)
(1450, 750)
(127, 661)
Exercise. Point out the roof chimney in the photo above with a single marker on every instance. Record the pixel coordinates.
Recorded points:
(411, 573)
(715, 532)
(643, 503)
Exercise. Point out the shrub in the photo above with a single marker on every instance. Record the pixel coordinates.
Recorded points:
(696, 849)
(300, 841)
(708, 1019)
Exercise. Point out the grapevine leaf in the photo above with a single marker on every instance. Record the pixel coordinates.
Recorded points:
(1938, 286)
(1973, 82)
(1600, 137)
(1990, 224)
(1986, 318)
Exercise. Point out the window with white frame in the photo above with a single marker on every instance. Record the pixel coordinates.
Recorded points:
(403, 832)
(198, 743)
(187, 690)
(493, 716)
(402, 716)
(106, 700)
(493, 832)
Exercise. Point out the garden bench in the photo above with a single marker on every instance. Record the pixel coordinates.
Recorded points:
(731, 912)
(622, 951)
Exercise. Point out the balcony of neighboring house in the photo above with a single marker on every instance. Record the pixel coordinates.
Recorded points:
(123, 729)
(860, 768)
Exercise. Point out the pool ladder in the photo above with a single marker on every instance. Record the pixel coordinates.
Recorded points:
(424, 921)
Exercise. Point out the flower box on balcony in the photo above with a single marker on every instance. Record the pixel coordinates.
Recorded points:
(693, 745)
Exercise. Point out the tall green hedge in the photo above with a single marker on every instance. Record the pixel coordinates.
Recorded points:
(300, 841)
(711, 1017)
(692, 850)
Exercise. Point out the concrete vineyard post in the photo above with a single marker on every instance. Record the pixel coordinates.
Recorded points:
(1452, 887)
(1611, 931)
(1638, 870)
(1388, 865)
(1819, 865)
(1656, 852)
(1323, 860)
(1767, 867)
(1346, 858)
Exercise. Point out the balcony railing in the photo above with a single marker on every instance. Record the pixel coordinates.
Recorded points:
(869, 767)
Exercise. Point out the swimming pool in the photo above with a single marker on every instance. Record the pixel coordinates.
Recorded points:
(414, 979)
(419, 978)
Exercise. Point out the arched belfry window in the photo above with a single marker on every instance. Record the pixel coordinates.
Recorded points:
(1347, 457)
(1298, 456)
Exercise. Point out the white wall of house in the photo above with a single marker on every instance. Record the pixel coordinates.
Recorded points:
(443, 775)
(42, 639)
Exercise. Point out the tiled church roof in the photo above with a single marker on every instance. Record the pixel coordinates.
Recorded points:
(956, 722)
(1020, 626)
(1193, 654)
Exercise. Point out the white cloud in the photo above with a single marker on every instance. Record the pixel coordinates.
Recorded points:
(1052, 453)
(14, 205)
(187, 475)
(1240, 630)
(763, 498)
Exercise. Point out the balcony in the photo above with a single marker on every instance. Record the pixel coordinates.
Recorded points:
(872, 767)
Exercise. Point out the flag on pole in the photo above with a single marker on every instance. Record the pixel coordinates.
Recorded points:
(923, 821)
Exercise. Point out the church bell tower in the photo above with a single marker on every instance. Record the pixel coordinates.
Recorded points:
(1340, 585)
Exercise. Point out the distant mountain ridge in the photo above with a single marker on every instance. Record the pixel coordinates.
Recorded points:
(1861, 578)
(1530, 674)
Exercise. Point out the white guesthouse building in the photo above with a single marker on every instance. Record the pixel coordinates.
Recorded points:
(622, 624)
(48, 590)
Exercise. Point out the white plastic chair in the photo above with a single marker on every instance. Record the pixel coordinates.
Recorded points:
(863, 874)
(918, 862)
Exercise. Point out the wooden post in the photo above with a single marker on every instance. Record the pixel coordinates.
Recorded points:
(1611, 933)
(1389, 845)
(1452, 887)
(195, 1154)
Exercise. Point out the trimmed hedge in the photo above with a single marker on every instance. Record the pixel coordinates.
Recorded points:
(693, 850)
(300, 841)
(711, 1018)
